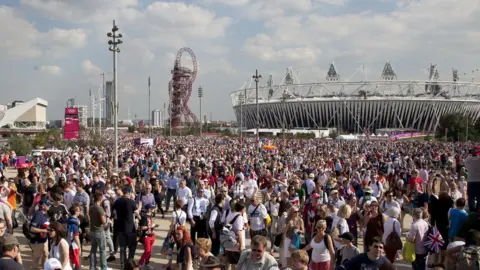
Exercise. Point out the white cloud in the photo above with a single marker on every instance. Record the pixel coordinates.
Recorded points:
(74, 38)
(188, 19)
(85, 11)
(52, 70)
(427, 26)
(262, 46)
(230, 38)
(21, 39)
(264, 9)
(228, 2)
(218, 66)
(332, 2)
(88, 68)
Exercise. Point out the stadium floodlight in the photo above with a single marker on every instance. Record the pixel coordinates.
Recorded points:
(257, 78)
(114, 42)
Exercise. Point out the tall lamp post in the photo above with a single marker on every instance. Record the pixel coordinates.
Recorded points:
(102, 100)
(114, 41)
(200, 95)
(257, 78)
(149, 110)
(240, 99)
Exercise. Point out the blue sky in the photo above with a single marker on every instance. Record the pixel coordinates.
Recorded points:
(56, 49)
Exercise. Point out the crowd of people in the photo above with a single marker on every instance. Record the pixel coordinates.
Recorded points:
(303, 204)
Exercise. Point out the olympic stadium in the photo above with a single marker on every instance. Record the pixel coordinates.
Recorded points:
(356, 106)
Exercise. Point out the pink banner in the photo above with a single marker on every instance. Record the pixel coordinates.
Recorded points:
(71, 128)
(406, 135)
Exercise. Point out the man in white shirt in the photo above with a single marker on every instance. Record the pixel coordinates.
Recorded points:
(377, 188)
(68, 194)
(183, 193)
(251, 187)
(257, 215)
(197, 208)
(235, 218)
(473, 179)
(310, 184)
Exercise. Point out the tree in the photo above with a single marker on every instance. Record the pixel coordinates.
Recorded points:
(226, 132)
(20, 144)
(455, 125)
(131, 129)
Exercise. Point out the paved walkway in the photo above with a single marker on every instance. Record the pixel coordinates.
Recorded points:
(158, 261)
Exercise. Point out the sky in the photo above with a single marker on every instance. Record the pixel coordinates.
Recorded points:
(57, 49)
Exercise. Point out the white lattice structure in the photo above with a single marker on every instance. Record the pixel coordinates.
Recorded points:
(28, 115)
(360, 105)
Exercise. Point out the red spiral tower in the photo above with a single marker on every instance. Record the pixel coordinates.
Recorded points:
(181, 90)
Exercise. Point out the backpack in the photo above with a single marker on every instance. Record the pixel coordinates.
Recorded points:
(394, 241)
(228, 238)
(218, 221)
(26, 227)
(335, 232)
(469, 259)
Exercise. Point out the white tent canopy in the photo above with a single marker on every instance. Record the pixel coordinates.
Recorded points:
(347, 137)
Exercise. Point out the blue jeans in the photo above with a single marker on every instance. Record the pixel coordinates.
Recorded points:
(170, 195)
(98, 241)
(108, 239)
(127, 240)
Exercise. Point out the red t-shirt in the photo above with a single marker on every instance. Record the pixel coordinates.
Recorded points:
(413, 181)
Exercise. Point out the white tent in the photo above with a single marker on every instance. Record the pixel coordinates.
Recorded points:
(347, 137)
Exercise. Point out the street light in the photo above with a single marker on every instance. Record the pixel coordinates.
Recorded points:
(241, 100)
(200, 95)
(257, 78)
(114, 41)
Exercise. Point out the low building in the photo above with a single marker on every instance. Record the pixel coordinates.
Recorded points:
(25, 115)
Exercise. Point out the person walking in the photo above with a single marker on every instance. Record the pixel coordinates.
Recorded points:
(38, 227)
(125, 208)
(197, 208)
(97, 233)
(148, 235)
(59, 247)
(10, 249)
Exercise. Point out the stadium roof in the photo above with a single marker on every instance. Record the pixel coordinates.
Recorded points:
(19, 113)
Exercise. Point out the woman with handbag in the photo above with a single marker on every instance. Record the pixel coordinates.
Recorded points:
(291, 235)
(392, 231)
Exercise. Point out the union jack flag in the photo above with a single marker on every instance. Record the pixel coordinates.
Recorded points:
(434, 241)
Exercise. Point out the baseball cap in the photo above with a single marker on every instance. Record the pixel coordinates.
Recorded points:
(52, 264)
(44, 201)
(315, 195)
(129, 180)
(9, 240)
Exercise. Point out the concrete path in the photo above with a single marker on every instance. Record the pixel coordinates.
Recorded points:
(158, 261)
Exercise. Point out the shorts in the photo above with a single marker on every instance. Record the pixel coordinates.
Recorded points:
(262, 232)
(74, 256)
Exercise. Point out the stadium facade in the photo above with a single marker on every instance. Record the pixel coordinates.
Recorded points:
(355, 107)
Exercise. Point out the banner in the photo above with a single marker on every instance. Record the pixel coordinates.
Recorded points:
(71, 128)
(143, 141)
(407, 135)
